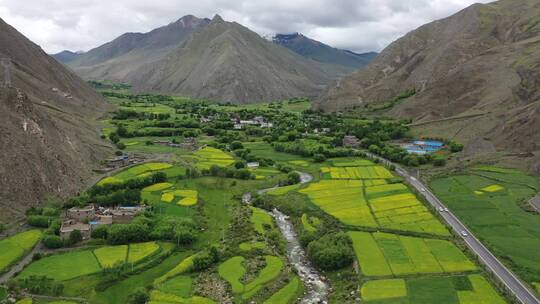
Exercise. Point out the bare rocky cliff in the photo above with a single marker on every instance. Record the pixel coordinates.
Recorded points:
(476, 76)
(49, 137)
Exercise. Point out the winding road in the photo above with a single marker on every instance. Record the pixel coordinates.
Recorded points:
(509, 279)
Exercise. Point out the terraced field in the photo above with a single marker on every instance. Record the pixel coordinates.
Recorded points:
(285, 294)
(260, 219)
(366, 172)
(488, 201)
(208, 156)
(373, 203)
(471, 289)
(140, 171)
(74, 264)
(13, 248)
(233, 271)
(383, 254)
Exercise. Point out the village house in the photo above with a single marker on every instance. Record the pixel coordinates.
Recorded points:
(72, 225)
(120, 161)
(253, 165)
(81, 214)
(124, 215)
(238, 126)
(351, 141)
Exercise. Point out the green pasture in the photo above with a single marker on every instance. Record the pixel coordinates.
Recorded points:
(496, 217)
(14, 247)
(233, 271)
(259, 218)
(383, 254)
(286, 294)
(471, 289)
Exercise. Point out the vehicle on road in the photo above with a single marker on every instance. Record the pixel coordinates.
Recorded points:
(464, 233)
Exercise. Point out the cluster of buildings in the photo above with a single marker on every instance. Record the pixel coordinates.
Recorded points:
(120, 162)
(422, 147)
(256, 121)
(87, 218)
(188, 143)
(351, 141)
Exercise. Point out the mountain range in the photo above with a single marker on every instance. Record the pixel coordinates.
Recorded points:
(323, 53)
(48, 124)
(475, 76)
(211, 59)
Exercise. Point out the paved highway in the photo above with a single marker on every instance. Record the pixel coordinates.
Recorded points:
(522, 293)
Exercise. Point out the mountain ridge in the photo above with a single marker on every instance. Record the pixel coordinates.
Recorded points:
(480, 60)
(50, 138)
(324, 53)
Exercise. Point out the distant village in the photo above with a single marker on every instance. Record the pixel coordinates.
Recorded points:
(85, 219)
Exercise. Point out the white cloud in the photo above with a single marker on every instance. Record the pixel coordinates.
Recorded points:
(359, 25)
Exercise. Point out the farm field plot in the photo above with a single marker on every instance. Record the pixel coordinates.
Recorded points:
(285, 294)
(64, 266)
(208, 156)
(259, 219)
(159, 297)
(366, 172)
(283, 190)
(14, 247)
(180, 286)
(405, 212)
(108, 256)
(233, 270)
(383, 254)
(182, 197)
(351, 162)
(345, 200)
(135, 172)
(496, 217)
(342, 199)
(265, 150)
(310, 223)
(74, 264)
(248, 246)
(140, 251)
(471, 289)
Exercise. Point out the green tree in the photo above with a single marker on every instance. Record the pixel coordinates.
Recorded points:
(75, 236)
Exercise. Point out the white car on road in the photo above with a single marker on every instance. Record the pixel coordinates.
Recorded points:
(464, 233)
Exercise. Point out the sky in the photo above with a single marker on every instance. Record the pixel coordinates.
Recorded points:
(357, 25)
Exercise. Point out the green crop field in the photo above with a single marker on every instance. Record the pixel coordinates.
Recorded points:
(208, 156)
(287, 293)
(351, 162)
(283, 190)
(135, 172)
(63, 266)
(185, 266)
(157, 187)
(158, 297)
(140, 251)
(14, 247)
(472, 289)
(233, 270)
(496, 217)
(265, 150)
(248, 246)
(383, 254)
(345, 200)
(110, 255)
(366, 172)
(180, 286)
(25, 301)
(260, 218)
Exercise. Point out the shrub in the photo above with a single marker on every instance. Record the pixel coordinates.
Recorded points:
(75, 236)
(40, 221)
(53, 241)
(332, 251)
(439, 162)
(100, 232)
(319, 158)
(139, 296)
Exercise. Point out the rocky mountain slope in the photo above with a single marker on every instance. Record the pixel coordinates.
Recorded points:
(49, 139)
(227, 62)
(476, 76)
(125, 54)
(323, 53)
(66, 56)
